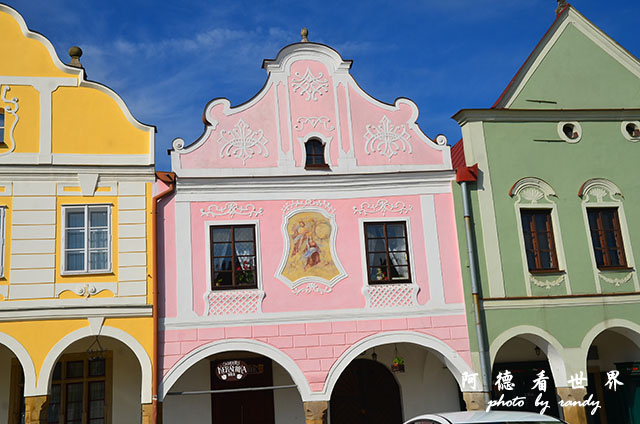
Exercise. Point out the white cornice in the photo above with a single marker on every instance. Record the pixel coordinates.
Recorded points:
(22, 313)
(334, 186)
(311, 316)
(70, 173)
(551, 302)
(547, 115)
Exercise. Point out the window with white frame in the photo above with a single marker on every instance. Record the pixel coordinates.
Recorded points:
(86, 240)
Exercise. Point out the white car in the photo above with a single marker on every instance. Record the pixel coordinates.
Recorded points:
(491, 417)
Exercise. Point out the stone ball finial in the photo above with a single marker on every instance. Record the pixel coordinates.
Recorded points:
(75, 52)
(304, 32)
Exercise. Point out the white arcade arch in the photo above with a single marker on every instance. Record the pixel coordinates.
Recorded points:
(457, 366)
(28, 368)
(246, 345)
(115, 333)
(544, 340)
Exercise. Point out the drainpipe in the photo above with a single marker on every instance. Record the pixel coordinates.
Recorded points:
(470, 174)
(169, 178)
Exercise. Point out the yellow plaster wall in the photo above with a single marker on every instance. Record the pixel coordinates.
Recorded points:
(39, 337)
(88, 121)
(82, 200)
(27, 131)
(22, 56)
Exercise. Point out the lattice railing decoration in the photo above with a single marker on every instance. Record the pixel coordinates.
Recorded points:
(392, 295)
(233, 302)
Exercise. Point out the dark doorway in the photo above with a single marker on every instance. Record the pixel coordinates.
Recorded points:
(246, 407)
(366, 393)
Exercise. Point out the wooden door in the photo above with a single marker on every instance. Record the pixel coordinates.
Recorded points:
(249, 407)
(366, 393)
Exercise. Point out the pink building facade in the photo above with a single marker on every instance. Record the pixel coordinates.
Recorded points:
(310, 245)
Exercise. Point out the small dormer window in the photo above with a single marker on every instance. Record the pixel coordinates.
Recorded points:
(314, 149)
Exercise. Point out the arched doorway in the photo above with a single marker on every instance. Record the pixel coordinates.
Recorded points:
(234, 387)
(11, 387)
(615, 352)
(519, 362)
(366, 393)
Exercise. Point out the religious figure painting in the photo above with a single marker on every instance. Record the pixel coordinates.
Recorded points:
(310, 252)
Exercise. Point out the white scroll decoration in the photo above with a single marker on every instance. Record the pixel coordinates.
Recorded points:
(87, 291)
(232, 209)
(295, 204)
(311, 288)
(242, 142)
(12, 110)
(382, 206)
(387, 139)
(314, 121)
(310, 85)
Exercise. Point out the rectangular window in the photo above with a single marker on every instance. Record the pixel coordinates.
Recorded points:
(86, 239)
(606, 237)
(387, 252)
(80, 390)
(538, 240)
(233, 257)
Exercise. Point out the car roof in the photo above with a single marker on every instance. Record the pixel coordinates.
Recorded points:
(490, 417)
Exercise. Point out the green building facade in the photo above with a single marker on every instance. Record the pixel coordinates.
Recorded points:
(556, 224)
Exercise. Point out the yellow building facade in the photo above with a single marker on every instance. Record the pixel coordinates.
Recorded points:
(76, 276)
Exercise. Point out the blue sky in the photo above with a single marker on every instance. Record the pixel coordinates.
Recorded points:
(168, 59)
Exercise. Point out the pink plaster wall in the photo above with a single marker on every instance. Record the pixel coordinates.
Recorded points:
(347, 293)
(166, 252)
(315, 347)
(450, 256)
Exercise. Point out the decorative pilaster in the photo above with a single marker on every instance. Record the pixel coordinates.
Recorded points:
(36, 409)
(573, 414)
(316, 412)
(474, 401)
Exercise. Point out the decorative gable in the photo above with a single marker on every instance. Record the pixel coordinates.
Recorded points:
(309, 93)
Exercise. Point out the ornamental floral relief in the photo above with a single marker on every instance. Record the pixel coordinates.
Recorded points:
(382, 206)
(387, 139)
(314, 121)
(242, 142)
(310, 85)
(231, 209)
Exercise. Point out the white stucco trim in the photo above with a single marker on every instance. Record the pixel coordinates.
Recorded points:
(432, 249)
(25, 361)
(541, 338)
(247, 345)
(326, 143)
(443, 351)
(184, 263)
(602, 193)
(528, 192)
(49, 363)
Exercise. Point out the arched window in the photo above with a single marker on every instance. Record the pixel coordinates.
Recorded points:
(314, 149)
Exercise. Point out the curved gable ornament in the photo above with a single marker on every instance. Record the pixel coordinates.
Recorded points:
(310, 262)
(387, 139)
(598, 189)
(12, 110)
(532, 190)
(242, 142)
